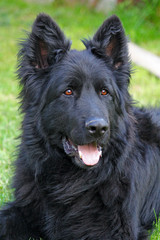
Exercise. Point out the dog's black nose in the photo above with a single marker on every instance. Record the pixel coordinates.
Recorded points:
(96, 126)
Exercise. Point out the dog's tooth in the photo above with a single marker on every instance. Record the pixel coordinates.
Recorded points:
(74, 148)
(100, 149)
(101, 154)
(80, 154)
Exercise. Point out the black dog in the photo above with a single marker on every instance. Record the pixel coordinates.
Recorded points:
(89, 161)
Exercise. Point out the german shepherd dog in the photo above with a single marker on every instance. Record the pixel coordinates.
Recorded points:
(88, 165)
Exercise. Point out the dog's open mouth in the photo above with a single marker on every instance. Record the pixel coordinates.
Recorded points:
(89, 154)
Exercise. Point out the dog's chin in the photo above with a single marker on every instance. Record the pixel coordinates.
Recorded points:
(85, 156)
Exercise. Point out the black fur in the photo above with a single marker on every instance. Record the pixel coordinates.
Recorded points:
(57, 195)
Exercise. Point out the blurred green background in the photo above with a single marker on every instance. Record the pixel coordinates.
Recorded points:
(141, 20)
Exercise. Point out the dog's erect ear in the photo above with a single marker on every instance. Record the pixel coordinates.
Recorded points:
(45, 45)
(110, 41)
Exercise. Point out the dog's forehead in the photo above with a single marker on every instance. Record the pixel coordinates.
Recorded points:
(85, 65)
(84, 59)
(80, 68)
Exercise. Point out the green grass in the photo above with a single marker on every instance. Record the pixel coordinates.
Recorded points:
(77, 22)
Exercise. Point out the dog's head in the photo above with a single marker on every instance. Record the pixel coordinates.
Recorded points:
(78, 96)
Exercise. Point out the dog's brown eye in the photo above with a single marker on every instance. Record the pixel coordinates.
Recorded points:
(68, 92)
(104, 92)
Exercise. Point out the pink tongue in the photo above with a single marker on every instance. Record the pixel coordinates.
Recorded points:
(89, 154)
